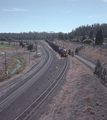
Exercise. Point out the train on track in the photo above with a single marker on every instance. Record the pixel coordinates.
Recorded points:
(61, 50)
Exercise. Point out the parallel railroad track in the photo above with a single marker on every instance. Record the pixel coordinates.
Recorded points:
(18, 80)
(26, 112)
(24, 87)
(38, 101)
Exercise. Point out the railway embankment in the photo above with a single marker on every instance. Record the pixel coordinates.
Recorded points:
(24, 54)
(82, 97)
(89, 52)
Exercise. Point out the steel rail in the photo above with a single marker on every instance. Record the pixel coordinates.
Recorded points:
(24, 87)
(38, 101)
(17, 81)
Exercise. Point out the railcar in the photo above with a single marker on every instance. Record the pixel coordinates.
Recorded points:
(64, 53)
(61, 50)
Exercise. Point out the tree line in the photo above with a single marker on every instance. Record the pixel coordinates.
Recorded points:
(28, 36)
(78, 35)
(89, 30)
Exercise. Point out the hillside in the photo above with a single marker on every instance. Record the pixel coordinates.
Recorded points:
(89, 52)
(82, 97)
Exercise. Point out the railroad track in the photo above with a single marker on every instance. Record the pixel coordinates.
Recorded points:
(42, 97)
(20, 80)
(24, 87)
(9, 103)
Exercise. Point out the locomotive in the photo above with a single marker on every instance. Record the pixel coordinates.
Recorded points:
(61, 50)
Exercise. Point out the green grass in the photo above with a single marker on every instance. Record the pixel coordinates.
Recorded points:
(23, 63)
(2, 46)
(12, 66)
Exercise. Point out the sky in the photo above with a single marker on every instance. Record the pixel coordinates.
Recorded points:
(50, 15)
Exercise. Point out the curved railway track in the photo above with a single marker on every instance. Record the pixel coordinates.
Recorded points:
(9, 103)
(20, 80)
(24, 87)
(38, 101)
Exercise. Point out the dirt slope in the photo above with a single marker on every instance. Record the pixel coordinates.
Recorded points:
(89, 52)
(83, 97)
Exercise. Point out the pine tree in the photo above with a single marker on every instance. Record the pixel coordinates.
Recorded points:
(72, 53)
(30, 47)
(99, 37)
(91, 35)
(77, 51)
(69, 52)
(65, 36)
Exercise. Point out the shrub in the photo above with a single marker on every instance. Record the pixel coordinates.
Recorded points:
(75, 40)
(69, 52)
(30, 47)
(12, 66)
(77, 51)
(3, 39)
(89, 41)
(21, 43)
(98, 65)
(72, 54)
(2, 43)
(101, 72)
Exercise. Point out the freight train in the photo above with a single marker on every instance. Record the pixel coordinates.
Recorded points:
(61, 50)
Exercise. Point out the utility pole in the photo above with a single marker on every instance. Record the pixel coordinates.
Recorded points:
(36, 49)
(5, 65)
(24, 46)
(29, 56)
(100, 50)
(106, 41)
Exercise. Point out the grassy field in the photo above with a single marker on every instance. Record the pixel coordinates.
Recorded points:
(5, 47)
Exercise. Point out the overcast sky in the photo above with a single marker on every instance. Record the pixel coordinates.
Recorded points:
(50, 15)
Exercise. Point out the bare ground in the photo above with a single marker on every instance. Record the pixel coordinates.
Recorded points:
(82, 97)
(89, 52)
(33, 61)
